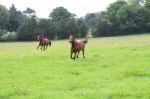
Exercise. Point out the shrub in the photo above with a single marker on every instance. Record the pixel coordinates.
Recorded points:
(9, 36)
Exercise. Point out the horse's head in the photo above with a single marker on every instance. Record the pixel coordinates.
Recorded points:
(40, 37)
(71, 38)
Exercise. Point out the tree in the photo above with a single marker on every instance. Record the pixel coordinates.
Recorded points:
(60, 13)
(2, 32)
(103, 27)
(147, 4)
(90, 19)
(48, 28)
(111, 15)
(132, 18)
(82, 28)
(135, 2)
(29, 12)
(64, 22)
(28, 30)
(4, 14)
(71, 28)
(64, 28)
(15, 19)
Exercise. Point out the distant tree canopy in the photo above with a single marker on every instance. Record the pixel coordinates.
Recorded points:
(135, 2)
(121, 17)
(59, 14)
(66, 24)
(29, 12)
(4, 15)
(59, 26)
(28, 30)
(15, 19)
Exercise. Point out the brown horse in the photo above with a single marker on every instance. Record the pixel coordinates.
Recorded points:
(43, 42)
(76, 46)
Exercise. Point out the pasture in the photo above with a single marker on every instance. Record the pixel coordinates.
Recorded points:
(114, 68)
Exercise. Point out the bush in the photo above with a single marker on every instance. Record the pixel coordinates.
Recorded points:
(9, 36)
(2, 32)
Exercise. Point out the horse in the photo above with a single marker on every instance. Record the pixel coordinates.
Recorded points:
(76, 46)
(43, 42)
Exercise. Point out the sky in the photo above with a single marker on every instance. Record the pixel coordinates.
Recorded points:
(43, 8)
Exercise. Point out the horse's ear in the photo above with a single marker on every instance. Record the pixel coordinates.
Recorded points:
(37, 37)
(86, 40)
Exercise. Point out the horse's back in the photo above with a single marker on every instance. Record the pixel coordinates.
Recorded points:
(46, 40)
(79, 45)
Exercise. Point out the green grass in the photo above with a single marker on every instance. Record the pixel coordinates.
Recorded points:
(114, 68)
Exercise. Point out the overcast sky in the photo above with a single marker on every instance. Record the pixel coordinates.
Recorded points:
(44, 7)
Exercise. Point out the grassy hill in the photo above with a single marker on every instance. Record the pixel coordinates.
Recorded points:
(114, 68)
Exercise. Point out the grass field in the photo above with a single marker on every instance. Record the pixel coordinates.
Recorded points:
(114, 68)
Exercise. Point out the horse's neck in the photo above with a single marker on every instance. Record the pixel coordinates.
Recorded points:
(41, 41)
(73, 43)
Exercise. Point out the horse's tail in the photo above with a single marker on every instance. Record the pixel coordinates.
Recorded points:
(49, 43)
(85, 41)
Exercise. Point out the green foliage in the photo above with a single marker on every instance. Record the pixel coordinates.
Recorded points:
(65, 24)
(124, 18)
(126, 15)
(29, 12)
(134, 2)
(46, 27)
(113, 9)
(147, 4)
(111, 16)
(70, 28)
(103, 27)
(60, 13)
(28, 30)
(4, 14)
(132, 18)
(108, 24)
(65, 28)
(2, 32)
(82, 28)
(90, 19)
(15, 19)
(9, 36)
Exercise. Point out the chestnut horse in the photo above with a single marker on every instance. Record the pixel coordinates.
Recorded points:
(76, 46)
(43, 42)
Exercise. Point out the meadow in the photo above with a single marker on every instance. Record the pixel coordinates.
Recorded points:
(114, 68)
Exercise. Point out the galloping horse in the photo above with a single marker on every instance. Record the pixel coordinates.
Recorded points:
(43, 42)
(76, 46)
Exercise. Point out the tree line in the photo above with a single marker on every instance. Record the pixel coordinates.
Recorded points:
(120, 18)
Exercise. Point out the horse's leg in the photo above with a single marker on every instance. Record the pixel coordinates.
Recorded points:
(77, 54)
(41, 47)
(38, 47)
(44, 47)
(74, 55)
(83, 53)
(71, 54)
